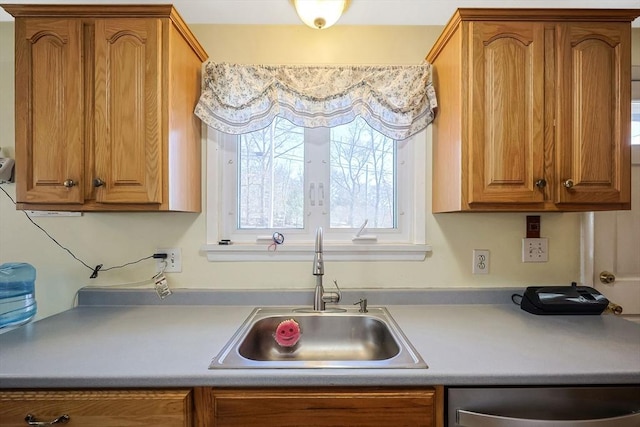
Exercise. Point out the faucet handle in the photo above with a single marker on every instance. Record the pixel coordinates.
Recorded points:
(335, 282)
(332, 297)
(363, 305)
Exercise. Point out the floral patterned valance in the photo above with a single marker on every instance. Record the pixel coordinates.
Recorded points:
(397, 101)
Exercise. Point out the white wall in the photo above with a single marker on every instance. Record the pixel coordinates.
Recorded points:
(116, 238)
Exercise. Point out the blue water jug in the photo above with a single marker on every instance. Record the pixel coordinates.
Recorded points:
(17, 293)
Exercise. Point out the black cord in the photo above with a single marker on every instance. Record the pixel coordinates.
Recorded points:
(95, 269)
(127, 264)
(45, 232)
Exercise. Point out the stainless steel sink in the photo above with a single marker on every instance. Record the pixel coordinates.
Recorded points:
(331, 339)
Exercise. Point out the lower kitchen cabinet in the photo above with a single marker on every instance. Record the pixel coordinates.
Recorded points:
(315, 407)
(213, 407)
(98, 408)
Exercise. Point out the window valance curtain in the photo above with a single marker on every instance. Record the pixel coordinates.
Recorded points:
(397, 101)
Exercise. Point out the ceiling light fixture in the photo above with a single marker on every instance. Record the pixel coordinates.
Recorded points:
(320, 14)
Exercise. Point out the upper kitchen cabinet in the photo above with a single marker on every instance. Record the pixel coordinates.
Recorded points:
(104, 108)
(534, 110)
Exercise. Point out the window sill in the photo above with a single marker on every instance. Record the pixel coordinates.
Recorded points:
(332, 252)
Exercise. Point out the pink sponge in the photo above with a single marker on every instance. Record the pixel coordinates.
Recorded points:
(287, 333)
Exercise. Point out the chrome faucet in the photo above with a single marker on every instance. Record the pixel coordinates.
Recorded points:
(320, 297)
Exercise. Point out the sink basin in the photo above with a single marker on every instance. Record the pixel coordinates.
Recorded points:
(332, 339)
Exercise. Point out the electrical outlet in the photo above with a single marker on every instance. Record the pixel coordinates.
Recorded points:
(535, 250)
(480, 261)
(173, 260)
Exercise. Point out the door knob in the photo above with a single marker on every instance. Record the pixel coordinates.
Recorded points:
(568, 183)
(607, 277)
(97, 182)
(69, 183)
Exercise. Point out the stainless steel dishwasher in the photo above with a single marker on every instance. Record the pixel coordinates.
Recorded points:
(617, 406)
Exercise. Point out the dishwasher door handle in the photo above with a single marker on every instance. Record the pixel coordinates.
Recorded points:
(477, 419)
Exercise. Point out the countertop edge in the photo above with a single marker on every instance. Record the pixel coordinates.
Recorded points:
(331, 379)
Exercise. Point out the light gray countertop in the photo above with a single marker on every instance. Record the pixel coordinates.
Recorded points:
(106, 343)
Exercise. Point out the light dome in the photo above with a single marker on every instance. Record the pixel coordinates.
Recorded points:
(319, 14)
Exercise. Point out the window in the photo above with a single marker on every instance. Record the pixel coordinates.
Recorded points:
(293, 179)
(324, 167)
(366, 190)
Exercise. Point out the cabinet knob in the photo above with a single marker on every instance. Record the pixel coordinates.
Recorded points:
(97, 182)
(32, 421)
(69, 183)
(568, 183)
(541, 183)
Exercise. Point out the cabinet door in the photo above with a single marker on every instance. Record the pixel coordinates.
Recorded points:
(506, 81)
(49, 111)
(592, 132)
(153, 408)
(128, 116)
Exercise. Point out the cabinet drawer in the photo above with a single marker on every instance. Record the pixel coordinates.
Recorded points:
(158, 408)
(321, 407)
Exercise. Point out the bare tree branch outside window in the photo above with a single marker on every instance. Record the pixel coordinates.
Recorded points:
(271, 177)
(362, 177)
(271, 187)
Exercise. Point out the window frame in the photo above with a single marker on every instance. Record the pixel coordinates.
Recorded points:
(339, 244)
(635, 122)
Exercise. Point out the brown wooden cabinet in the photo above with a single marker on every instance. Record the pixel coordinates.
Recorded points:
(104, 108)
(237, 407)
(534, 110)
(317, 407)
(116, 408)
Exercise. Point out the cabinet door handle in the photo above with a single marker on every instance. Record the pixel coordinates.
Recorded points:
(69, 183)
(31, 420)
(97, 182)
(476, 419)
(541, 183)
(568, 183)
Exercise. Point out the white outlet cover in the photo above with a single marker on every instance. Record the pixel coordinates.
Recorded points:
(173, 260)
(535, 250)
(480, 261)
